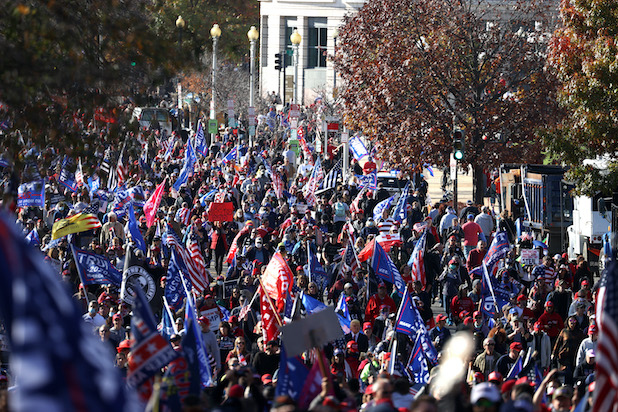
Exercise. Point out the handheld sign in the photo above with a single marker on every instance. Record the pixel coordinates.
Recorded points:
(314, 331)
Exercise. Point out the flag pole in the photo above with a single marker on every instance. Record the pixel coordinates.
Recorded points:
(270, 303)
(79, 273)
(166, 306)
(309, 261)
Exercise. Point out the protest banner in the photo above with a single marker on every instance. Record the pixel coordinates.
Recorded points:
(221, 212)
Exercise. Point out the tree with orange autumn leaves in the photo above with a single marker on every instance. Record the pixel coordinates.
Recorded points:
(414, 71)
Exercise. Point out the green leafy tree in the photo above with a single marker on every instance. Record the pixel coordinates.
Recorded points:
(414, 71)
(61, 57)
(584, 54)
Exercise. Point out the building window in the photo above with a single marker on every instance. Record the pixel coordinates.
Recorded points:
(290, 26)
(264, 41)
(317, 42)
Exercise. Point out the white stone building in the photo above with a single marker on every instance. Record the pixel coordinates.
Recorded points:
(317, 22)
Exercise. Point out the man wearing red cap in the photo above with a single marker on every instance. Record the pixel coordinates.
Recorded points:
(506, 362)
(551, 322)
(381, 298)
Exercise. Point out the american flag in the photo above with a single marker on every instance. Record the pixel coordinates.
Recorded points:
(196, 256)
(93, 207)
(314, 181)
(197, 277)
(278, 185)
(355, 206)
(183, 216)
(79, 174)
(244, 311)
(606, 390)
(303, 142)
(349, 262)
(121, 171)
(417, 260)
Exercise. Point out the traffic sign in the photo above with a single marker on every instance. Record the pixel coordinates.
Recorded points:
(344, 137)
(213, 126)
(295, 111)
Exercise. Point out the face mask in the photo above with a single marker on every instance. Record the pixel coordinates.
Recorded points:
(92, 311)
(452, 267)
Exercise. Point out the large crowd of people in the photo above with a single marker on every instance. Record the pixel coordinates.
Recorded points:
(547, 325)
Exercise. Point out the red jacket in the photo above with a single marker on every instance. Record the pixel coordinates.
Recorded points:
(552, 323)
(373, 307)
(458, 305)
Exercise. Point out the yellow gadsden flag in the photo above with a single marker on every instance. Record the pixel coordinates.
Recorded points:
(75, 224)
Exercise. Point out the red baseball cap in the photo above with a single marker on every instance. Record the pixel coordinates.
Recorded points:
(515, 346)
(495, 377)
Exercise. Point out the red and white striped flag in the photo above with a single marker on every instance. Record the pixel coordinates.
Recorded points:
(121, 172)
(606, 386)
(79, 174)
(387, 241)
(196, 256)
(418, 260)
(278, 185)
(355, 206)
(196, 277)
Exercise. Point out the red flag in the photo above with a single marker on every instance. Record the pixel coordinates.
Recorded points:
(278, 278)
(269, 320)
(152, 205)
(367, 252)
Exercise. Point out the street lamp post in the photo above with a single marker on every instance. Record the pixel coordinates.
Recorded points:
(215, 33)
(253, 35)
(180, 24)
(335, 34)
(295, 38)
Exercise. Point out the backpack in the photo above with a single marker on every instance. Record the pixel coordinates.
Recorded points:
(339, 209)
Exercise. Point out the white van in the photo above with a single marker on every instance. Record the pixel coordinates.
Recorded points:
(147, 115)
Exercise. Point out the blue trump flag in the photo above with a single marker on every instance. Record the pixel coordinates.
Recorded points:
(122, 200)
(187, 168)
(132, 229)
(174, 292)
(194, 351)
(31, 194)
(410, 322)
(33, 238)
(342, 307)
(400, 212)
(95, 269)
(151, 351)
(200, 141)
(292, 376)
(417, 364)
(515, 369)
(493, 297)
(58, 364)
(316, 272)
(231, 156)
(381, 207)
(67, 178)
(499, 248)
(384, 267)
(369, 181)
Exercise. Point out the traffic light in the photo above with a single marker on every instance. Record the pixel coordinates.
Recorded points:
(459, 144)
(278, 65)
